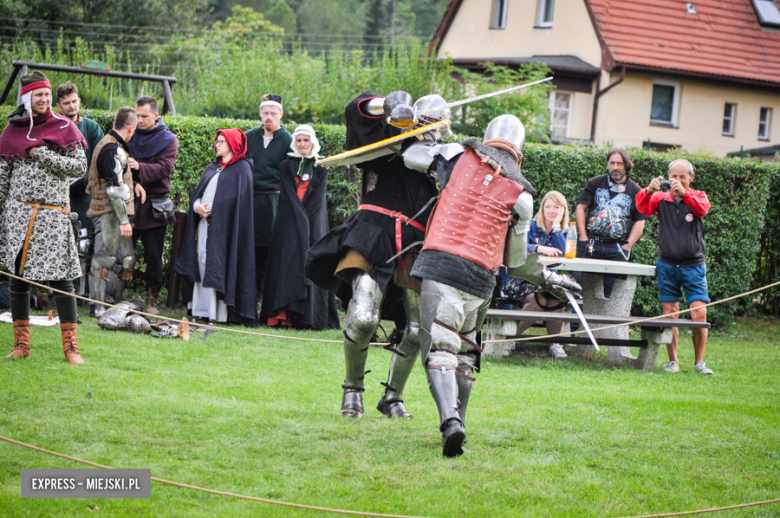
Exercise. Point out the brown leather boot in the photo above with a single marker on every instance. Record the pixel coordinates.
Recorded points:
(151, 303)
(21, 339)
(70, 344)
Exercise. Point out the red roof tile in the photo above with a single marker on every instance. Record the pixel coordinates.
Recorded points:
(723, 38)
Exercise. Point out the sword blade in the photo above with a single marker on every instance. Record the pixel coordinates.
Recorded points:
(582, 317)
(455, 104)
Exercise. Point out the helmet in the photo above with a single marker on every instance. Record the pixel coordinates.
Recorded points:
(506, 128)
(432, 108)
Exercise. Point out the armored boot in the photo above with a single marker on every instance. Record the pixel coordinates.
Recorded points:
(392, 403)
(444, 388)
(151, 302)
(70, 344)
(464, 392)
(355, 355)
(21, 339)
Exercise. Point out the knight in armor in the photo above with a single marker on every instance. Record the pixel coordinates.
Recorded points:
(356, 260)
(480, 222)
(111, 186)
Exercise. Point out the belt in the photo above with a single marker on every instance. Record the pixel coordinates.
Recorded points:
(267, 192)
(36, 207)
(604, 241)
(399, 218)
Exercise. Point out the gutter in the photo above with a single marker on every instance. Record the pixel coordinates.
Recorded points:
(596, 103)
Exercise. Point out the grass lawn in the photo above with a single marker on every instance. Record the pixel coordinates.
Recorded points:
(260, 417)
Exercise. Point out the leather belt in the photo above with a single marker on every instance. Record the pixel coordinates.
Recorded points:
(461, 335)
(36, 208)
(267, 192)
(399, 218)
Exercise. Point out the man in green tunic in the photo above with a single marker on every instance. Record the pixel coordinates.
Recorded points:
(268, 146)
(69, 104)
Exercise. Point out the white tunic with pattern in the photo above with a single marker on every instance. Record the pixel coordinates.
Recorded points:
(45, 178)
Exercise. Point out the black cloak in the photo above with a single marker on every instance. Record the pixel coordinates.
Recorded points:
(299, 224)
(389, 184)
(230, 262)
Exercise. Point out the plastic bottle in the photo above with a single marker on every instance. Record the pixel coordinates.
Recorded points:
(571, 241)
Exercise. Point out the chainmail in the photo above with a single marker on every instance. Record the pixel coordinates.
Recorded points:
(509, 167)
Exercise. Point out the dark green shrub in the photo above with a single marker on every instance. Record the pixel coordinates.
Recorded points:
(737, 189)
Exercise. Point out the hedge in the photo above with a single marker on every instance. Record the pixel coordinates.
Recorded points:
(738, 190)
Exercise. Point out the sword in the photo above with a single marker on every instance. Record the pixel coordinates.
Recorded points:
(582, 317)
(455, 104)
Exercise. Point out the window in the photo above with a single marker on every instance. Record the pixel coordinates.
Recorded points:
(498, 16)
(763, 123)
(666, 103)
(729, 114)
(767, 12)
(544, 15)
(560, 114)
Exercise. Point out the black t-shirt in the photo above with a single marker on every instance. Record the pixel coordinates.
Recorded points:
(611, 208)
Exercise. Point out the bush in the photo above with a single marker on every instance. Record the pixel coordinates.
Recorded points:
(737, 189)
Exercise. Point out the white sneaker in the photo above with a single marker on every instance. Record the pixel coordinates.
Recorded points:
(701, 368)
(671, 367)
(557, 352)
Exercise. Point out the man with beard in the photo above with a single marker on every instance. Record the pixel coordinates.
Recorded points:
(268, 146)
(69, 104)
(608, 221)
(153, 150)
(39, 158)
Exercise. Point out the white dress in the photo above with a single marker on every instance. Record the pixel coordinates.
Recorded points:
(204, 300)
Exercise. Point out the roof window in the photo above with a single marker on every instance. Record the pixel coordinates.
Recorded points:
(767, 12)
(691, 8)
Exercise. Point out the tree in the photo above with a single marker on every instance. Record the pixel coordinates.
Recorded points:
(377, 21)
(245, 25)
(337, 17)
(282, 15)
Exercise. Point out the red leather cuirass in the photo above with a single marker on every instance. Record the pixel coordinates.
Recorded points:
(471, 219)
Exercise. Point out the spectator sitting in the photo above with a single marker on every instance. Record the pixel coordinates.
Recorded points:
(681, 253)
(545, 238)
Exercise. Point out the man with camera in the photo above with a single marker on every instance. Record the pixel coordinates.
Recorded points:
(681, 251)
(607, 219)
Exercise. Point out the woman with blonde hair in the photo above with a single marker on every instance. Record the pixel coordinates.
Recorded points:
(546, 237)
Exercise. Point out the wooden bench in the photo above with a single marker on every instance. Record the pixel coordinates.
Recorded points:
(502, 324)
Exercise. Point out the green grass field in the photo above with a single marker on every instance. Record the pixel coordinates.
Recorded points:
(260, 417)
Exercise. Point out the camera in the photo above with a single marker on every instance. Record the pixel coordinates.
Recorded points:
(666, 185)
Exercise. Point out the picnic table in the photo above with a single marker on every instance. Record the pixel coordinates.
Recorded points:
(599, 312)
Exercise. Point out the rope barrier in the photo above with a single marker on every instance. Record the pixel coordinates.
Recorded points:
(635, 322)
(339, 511)
(212, 491)
(160, 317)
(320, 340)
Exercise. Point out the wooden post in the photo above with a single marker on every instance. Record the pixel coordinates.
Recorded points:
(174, 281)
(168, 104)
(19, 92)
(9, 84)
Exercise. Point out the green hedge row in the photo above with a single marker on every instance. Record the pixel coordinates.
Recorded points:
(738, 190)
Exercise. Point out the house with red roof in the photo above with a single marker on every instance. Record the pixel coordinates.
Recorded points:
(702, 75)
